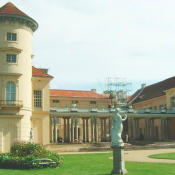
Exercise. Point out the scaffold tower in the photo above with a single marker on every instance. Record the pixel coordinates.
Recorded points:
(118, 89)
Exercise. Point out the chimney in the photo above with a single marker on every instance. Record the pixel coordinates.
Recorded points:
(143, 86)
(94, 90)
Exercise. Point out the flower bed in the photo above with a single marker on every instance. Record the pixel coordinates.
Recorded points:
(28, 155)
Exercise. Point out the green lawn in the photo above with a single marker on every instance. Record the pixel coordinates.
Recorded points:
(96, 164)
(163, 156)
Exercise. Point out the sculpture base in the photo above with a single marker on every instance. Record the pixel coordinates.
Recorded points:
(118, 160)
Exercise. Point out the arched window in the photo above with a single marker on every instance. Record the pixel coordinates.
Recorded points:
(173, 102)
(10, 91)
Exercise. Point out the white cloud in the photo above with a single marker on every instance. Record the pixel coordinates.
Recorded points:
(80, 40)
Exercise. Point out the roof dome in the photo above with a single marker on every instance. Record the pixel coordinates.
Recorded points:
(10, 10)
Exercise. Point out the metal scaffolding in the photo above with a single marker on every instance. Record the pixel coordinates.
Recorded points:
(118, 89)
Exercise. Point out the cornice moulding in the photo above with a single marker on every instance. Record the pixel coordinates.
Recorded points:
(3, 49)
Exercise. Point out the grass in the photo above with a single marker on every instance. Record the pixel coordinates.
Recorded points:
(163, 156)
(96, 164)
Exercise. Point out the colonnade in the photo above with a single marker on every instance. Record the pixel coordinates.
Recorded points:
(97, 128)
(92, 128)
(149, 130)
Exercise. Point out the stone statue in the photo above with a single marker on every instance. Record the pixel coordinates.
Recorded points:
(117, 128)
(31, 135)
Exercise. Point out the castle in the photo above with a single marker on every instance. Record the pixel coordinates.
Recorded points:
(27, 102)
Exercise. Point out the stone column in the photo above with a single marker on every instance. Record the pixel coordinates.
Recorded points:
(95, 128)
(165, 128)
(102, 130)
(55, 128)
(87, 130)
(138, 127)
(92, 129)
(68, 130)
(109, 129)
(149, 126)
(84, 130)
(162, 128)
(76, 128)
(51, 130)
(105, 129)
(131, 128)
(168, 129)
(134, 129)
(146, 129)
(152, 130)
(64, 129)
(72, 129)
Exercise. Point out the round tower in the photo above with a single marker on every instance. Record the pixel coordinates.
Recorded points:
(16, 32)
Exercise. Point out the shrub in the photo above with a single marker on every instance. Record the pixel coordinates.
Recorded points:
(28, 155)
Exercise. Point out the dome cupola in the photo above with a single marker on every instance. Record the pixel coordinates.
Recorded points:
(9, 13)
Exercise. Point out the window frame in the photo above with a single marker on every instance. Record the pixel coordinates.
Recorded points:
(93, 102)
(56, 101)
(37, 101)
(12, 32)
(11, 58)
(10, 94)
(74, 101)
(11, 36)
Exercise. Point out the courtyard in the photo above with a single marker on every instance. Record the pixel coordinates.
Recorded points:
(137, 162)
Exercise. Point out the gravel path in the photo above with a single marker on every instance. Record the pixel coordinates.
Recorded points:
(132, 155)
(142, 155)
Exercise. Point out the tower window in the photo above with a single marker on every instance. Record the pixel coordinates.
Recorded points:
(11, 58)
(11, 37)
(10, 91)
(38, 99)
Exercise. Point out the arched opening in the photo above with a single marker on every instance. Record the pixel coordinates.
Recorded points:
(37, 129)
(9, 134)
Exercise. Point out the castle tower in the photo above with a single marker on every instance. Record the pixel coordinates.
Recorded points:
(16, 32)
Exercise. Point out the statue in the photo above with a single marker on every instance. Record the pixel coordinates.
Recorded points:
(31, 135)
(117, 128)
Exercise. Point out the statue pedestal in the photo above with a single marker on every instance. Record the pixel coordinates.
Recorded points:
(118, 160)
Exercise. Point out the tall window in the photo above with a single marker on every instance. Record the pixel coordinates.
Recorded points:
(11, 36)
(38, 99)
(10, 91)
(173, 102)
(11, 58)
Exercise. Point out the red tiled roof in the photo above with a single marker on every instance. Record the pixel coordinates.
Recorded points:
(39, 73)
(155, 90)
(11, 9)
(75, 93)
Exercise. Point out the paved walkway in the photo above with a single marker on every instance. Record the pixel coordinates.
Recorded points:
(142, 155)
(135, 155)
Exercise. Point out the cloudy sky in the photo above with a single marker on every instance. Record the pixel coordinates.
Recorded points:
(84, 41)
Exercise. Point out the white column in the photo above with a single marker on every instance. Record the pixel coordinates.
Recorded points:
(76, 128)
(55, 128)
(51, 129)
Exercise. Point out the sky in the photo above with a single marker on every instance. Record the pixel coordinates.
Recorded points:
(82, 42)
